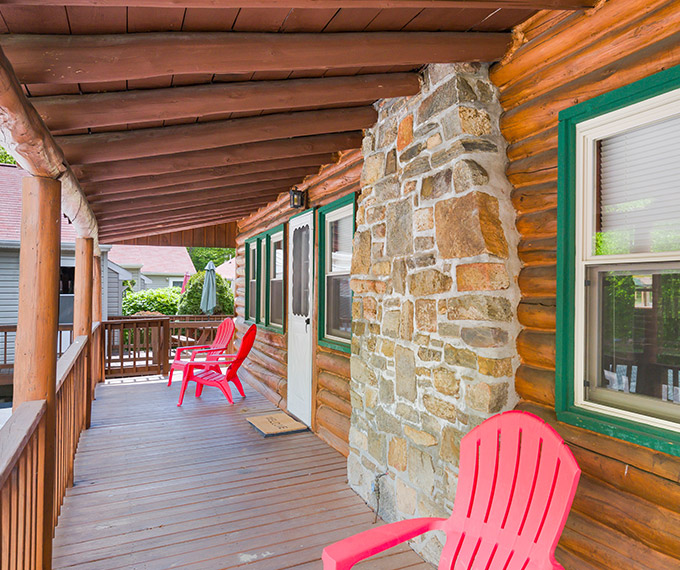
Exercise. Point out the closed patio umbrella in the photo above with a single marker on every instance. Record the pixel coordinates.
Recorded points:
(209, 295)
(184, 283)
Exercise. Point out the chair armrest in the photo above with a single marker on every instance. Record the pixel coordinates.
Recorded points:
(207, 363)
(183, 348)
(344, 554)
(208, 351)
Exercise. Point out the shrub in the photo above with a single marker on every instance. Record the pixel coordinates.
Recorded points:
(190, 302)
(162, 301)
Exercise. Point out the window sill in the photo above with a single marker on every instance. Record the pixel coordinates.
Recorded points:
(654, 438)
(340, 346)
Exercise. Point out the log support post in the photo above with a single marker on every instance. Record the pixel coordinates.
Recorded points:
(97, 375)
(35, 371)
(82, 310)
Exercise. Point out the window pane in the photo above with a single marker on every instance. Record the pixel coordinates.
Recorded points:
(639, 179)
(340, 245)
(263, 274)
(252, 300)
(276, 302)
(300, 275)
(338, 306)
(637, 364)
(276, 270)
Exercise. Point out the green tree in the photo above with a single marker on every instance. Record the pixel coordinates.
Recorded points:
(190, 303)
(164, 301)
(200, 256)
(5, 157)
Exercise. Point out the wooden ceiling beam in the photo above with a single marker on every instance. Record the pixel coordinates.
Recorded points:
(137, 183)
(227, 213)
(181, 191)
(138, 143)
(179, 226)
(207, 197)
(328, 4)
(90, 110)
(223, 156)
(64, 59)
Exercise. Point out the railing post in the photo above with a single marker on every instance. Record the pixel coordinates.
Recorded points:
(82, 310)
(165, 347)
(35, 368)
(95, 350)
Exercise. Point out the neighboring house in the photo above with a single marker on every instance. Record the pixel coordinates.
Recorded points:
(228, 271)
(153, 267)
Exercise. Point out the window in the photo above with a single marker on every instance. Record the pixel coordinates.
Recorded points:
(176, 283)
(265, 279)
(618, 341)
(336, 221)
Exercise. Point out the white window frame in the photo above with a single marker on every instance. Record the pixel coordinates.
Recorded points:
(274, 239)
(588, 133)
(330, 217)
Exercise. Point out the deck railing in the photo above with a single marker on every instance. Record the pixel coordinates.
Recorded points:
(7, 337)
(23, 528)
(141, 345)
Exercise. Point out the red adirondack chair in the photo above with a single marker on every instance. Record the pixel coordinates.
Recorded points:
(209, 373)
(516, 483)
(214, 351)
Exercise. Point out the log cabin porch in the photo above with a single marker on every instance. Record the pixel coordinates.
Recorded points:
(158, 486)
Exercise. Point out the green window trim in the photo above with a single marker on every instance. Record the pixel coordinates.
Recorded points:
(321, 328)
(262, 318)
(663, 440)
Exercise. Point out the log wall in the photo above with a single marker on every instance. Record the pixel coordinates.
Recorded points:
(627, 510)
(267, 366)
(217, 235)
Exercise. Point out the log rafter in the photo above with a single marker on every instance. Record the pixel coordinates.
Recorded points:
(115, 57)
(321, 4)
(88, 110)
(123, 145)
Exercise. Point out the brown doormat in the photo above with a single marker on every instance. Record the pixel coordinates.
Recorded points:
(276, 424)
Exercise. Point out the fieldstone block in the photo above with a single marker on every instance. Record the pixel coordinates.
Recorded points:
(358, 439)
(406, 325)
(406, 497)
(449, 450)
(378, 231)
(386, 392)
(376, 446)
(424, 243)
(446, 381)
(399, 276)
(416, 167)
(437, 186)
(482, 277)
(440, 408)
(474, 121)
(421, 470)
(399, 225)
(405, 133)
(420, 437)
(423, 219)
(496, 367)
(487, 398)
(484, 337)
(405, 377)
(381, 268)
(390, 324)
(361, 372)
(426, 315)
(361, 253)
(429, 282)
(469, 226)
(387, 189)
(373, 169)
(468, 173)
(411, 152)
(407, 413)
(370, 397)
(387, 423)
(387, 348)
(434, 141)
(479, 308)
(429, 354)
(459, 147)
(387, 132)
(391, 163)
(460, 357)
(396, 456)
(375, 214)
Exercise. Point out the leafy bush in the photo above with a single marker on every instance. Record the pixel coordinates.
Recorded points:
(190, 302)
(5, 157)
(200, 256)
(163, 301)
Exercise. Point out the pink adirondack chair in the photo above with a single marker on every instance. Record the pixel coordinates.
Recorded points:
(209, 373)
(516, 483)
(214, 351)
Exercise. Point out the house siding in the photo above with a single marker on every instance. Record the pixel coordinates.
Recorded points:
(9, 297)
(626, 513)
(114, 301)
(266, 368)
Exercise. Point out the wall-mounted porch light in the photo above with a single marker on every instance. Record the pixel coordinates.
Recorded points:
(297, 198)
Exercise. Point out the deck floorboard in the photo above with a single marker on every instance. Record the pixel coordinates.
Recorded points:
(198, 488)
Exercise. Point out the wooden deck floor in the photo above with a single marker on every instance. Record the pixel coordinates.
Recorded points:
(196, 487)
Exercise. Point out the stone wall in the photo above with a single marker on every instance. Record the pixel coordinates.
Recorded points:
(435, 292)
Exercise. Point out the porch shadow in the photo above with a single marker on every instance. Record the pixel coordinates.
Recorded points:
(158, 487)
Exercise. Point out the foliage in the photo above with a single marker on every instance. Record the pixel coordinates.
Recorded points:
(164, 301)
(190, 302)
(200, 256)
(5, 157)
(129, 286)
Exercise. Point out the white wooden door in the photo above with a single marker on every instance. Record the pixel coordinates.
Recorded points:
(300, 305)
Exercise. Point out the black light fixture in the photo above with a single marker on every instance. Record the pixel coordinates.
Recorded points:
(297, 198)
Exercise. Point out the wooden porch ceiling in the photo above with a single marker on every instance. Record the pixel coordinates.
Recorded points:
(186, 112)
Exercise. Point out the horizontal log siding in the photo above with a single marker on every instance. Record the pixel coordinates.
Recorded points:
(627, 510)
(266, 367)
